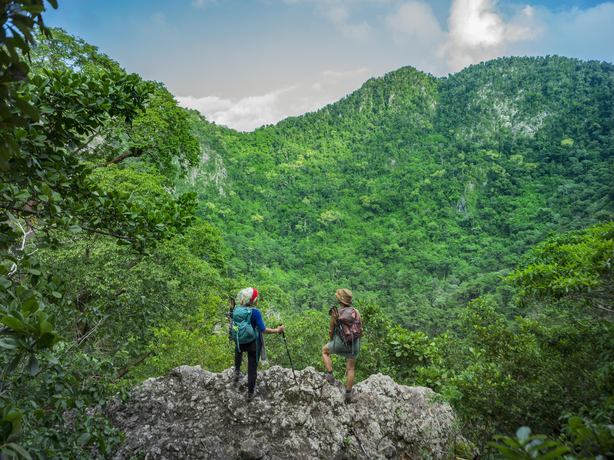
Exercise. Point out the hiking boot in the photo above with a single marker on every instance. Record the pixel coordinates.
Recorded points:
(329, 378)
(348, 396)
(236, 377)
(250, 396)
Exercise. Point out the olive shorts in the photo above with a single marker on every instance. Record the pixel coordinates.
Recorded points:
(349, 351)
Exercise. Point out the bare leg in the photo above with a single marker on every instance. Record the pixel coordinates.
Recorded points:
(328, 362)
(350, 368)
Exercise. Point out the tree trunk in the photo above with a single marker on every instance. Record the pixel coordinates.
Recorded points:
(127, 154)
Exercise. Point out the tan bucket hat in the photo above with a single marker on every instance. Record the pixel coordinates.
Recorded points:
(344, 296)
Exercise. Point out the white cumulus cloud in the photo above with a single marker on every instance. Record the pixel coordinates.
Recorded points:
(478, 32)
(249, 113)
(243, 114)
(414, 22)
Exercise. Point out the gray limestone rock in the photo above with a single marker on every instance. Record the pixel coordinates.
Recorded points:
(193, 413)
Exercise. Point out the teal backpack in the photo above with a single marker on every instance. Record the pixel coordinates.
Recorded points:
(242, 330)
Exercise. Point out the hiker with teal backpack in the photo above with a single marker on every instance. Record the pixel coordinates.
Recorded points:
(344, 332)
(246, 329)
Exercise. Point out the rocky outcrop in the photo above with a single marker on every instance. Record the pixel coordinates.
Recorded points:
(193, 413)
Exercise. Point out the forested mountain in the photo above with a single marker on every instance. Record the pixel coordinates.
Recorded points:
(471, 216)
(416, 191)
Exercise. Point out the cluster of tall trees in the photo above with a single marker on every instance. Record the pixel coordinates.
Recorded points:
(97, 246)
(470, 216)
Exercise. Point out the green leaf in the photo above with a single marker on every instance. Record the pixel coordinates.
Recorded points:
(19, 450)
(13, 415)
(83, 439)
(29, 305)
(5, 282)
(13, 364)
(27, 108)
(8, 344)
(47, 340)
(509, 453)
(33, 365)
(556, 453)
(575, 423)
(14, 323)
(44, 327)
(34, 9)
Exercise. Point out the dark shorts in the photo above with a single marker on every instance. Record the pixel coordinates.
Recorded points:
(338, 347)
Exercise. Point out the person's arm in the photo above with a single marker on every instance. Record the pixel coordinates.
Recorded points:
(277, 330)
(257, 317)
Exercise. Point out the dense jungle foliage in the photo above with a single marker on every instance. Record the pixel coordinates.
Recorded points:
(418, 192)
(471, 216)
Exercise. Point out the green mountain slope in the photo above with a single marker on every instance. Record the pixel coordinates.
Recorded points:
(416, 190)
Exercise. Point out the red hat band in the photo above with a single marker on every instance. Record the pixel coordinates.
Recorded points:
(254, 295)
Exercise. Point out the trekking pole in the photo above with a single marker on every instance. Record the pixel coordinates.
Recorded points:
(283, 334)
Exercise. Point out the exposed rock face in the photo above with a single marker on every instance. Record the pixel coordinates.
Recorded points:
(192, 413)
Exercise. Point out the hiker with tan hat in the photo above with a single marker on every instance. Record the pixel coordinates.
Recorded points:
(344, 332)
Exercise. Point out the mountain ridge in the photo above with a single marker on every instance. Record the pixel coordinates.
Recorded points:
(408, 68)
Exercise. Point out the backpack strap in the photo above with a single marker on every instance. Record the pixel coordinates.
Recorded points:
(339, 327)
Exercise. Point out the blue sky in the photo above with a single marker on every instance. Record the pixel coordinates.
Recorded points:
(244, 63)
